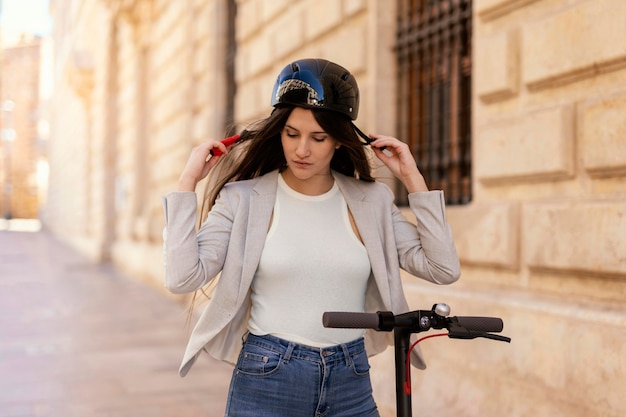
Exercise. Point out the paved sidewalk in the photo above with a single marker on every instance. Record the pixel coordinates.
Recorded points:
(79, 339)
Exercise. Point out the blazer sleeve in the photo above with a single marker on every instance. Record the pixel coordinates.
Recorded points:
(193, 258)
(426, 249)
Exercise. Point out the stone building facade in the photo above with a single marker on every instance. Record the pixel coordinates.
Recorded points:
(139, 82)
(21, 147)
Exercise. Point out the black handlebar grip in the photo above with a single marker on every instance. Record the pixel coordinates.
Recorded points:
(349, 320)
(481, 324)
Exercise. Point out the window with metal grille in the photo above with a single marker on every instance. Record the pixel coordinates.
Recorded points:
(433, 52)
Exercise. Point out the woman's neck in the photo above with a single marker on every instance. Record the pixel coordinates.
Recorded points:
(315, 185)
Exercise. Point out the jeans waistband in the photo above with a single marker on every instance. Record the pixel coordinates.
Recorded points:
(290, 350)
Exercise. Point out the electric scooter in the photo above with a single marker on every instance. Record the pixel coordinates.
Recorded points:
(403, 325)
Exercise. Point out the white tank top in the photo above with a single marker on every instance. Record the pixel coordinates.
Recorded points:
(312, 262)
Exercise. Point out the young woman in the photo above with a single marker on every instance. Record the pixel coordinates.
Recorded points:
(298, 226)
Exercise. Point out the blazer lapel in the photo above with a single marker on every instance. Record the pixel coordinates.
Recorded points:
(367, 222)
(260, 210)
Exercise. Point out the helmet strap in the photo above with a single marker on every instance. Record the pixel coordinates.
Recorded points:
(368, 140)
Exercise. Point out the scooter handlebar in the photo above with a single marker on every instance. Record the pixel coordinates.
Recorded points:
(479, 324)
(350, 320)
(469, 325)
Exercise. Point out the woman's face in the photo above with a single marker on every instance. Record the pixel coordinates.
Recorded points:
(308, 151)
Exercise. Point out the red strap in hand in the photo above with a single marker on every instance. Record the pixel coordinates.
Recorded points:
(227, 142)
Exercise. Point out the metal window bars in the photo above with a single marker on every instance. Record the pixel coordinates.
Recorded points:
(433, 51)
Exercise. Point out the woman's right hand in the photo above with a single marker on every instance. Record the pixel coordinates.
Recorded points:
(199, 164)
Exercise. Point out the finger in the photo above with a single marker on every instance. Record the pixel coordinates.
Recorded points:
(383, 152)
(382, 140)
(209, 148)
(219, 149)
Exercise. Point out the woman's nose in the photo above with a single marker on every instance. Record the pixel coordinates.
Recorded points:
(302, 150)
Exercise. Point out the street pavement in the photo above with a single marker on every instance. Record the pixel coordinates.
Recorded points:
(80, 339)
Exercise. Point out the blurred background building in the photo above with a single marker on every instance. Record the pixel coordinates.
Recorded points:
(24, 86)
(21, 146)
(516, 108)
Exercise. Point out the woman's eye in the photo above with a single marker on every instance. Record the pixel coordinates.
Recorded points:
(292, 135)
(319, 139)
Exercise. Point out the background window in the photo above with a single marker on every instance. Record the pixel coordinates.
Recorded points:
(433, 50)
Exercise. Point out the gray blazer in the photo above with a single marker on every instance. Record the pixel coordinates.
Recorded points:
(231, 240)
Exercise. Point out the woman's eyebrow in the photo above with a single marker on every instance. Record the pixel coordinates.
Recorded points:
(291, 127)
(315, 133)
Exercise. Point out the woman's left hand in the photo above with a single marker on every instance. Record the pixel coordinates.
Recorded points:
(398, 158)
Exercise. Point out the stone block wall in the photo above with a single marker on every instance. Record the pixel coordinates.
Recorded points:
(542, 243)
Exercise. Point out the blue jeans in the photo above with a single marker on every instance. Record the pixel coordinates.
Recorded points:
(277, 378)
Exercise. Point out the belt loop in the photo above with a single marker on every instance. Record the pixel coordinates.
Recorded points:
(346, 354)
(288, 352)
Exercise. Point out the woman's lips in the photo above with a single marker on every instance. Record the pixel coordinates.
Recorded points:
(301, 164)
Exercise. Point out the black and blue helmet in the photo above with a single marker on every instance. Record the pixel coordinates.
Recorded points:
(317, 84)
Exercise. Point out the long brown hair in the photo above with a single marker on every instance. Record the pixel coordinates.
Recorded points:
(259, 151)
